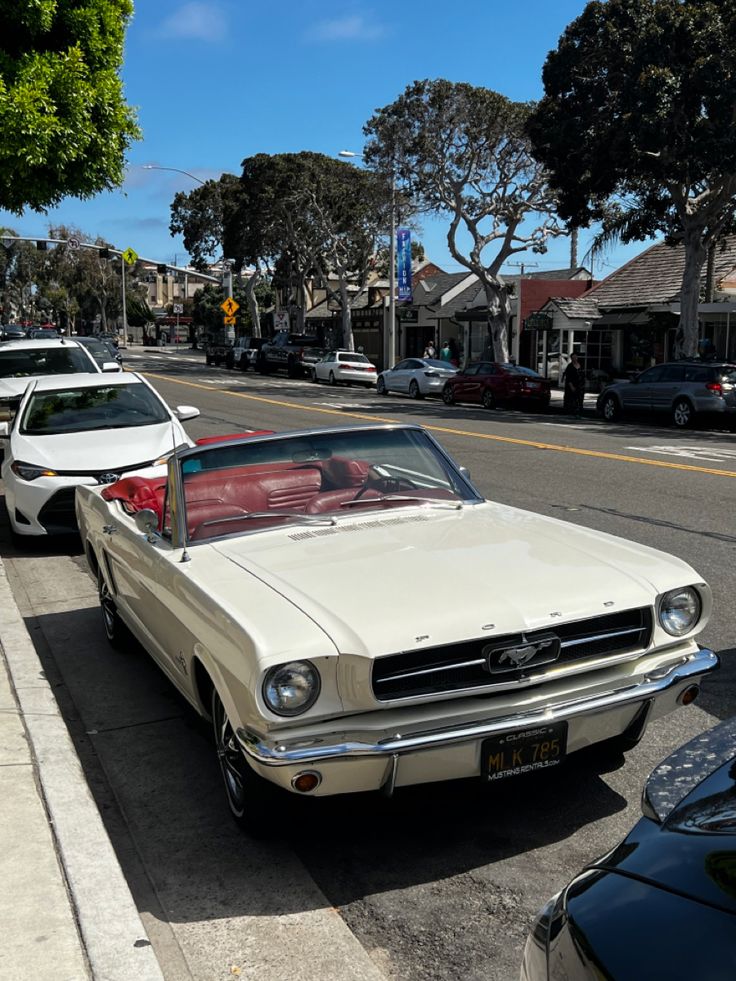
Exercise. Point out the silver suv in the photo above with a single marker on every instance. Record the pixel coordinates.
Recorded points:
(682, 389)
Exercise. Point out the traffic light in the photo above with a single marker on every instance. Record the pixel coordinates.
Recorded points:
(104, 253)
(161, 268)
(42, 245)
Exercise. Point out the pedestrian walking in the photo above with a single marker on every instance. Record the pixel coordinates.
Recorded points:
(573, 379)
(430, 350)
(446, 353)
(454, 352)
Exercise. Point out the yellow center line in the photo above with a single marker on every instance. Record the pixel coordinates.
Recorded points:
(535, 444)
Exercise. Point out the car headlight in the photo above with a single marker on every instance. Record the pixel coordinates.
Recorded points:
(679, 610)
(28, 471)
(290, 689)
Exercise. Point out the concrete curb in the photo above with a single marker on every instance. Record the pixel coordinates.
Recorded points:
(115, 941)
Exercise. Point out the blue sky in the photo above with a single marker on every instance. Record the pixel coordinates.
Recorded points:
(218, 80)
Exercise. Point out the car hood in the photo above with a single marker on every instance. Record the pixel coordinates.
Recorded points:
(100, 449)
(688, 842)
(395, 580)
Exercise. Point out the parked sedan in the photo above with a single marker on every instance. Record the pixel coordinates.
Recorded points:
(240, 572)
(663, 903)
(416, 376)
(347, 367)
(104, 352)
(681, 389)
(489, 384)
(81, 429)
(22, 361)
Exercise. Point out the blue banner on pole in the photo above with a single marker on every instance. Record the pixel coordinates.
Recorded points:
(403, 256)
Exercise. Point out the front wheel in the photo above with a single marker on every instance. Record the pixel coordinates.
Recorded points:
(611, 408)
(381, 387)
(116, 632)
(414, 390)
(488, 399)
(682, 413)
(448, 395)
(249, 797)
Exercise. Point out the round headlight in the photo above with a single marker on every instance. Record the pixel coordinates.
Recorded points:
(679, 611)
(292, 688)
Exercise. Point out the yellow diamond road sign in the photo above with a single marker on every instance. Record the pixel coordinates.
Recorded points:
(130, 256)
(230, 321)
(230, 306)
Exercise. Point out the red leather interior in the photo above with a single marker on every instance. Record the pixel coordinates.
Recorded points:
(216, 497)
(138, 493)
(206, 440)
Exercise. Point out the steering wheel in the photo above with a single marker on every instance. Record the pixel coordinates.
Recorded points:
(383, 483)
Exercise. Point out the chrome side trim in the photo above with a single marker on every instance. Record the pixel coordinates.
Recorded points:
(352, 745)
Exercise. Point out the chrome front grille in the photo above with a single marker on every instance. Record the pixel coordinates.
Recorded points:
(458, 667)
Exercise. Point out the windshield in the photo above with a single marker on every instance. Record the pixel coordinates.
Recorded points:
(43, 361)
(78, 410)
(249, 485)
(439, 364)
(521, 370)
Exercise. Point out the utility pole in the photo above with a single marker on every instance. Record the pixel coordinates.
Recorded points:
(125, 309)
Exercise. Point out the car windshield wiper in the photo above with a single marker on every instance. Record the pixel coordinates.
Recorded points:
(310, 519)
(410, 499)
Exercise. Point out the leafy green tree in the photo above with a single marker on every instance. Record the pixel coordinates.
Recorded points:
(636, 128)
(64, 122)
(463, 151)
(200, 216)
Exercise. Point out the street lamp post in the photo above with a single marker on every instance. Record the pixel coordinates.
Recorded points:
(228, 284)
(391, 266)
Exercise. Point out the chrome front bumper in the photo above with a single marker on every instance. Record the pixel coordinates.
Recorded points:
(301, 751)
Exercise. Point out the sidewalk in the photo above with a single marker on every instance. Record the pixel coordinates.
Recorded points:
(589, 404)
(65, 907)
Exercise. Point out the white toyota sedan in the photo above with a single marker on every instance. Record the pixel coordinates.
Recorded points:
(81, 429)
(280, 581)
(416, 377)
(22, 361)
(345, 367)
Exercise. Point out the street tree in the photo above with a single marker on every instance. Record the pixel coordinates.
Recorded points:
(64, 122)
(200, 215)
(349, 209)
(463, 151)
(636, 128)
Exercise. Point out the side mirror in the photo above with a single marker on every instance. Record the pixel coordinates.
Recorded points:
(465, 472)
(184, 412)
(146, 521)
(4, 429)
(110, 366)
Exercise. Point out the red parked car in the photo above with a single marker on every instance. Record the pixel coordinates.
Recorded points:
(490, 384)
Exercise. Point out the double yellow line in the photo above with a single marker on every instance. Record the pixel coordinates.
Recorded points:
(535, 444)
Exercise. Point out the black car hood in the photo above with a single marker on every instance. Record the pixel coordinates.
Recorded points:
(688, 843)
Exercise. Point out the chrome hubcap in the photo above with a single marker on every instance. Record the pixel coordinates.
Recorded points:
(682, 414)
(230, 757)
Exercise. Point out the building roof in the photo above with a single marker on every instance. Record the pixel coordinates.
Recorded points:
(577, 308)
(655, 276)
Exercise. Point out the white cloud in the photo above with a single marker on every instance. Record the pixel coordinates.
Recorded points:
(195, 21)
(354, 27)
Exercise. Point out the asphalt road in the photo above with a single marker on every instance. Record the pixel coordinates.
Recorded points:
(440, 882)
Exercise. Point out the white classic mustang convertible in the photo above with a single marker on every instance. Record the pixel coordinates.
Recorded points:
(282, 583)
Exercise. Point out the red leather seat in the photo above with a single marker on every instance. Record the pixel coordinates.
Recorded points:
(138, 493)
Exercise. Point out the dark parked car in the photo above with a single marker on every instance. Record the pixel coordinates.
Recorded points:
(293, 352)
(680, 389)
(663, 903)
(488, 383)
(103, 351)
(11, 332)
